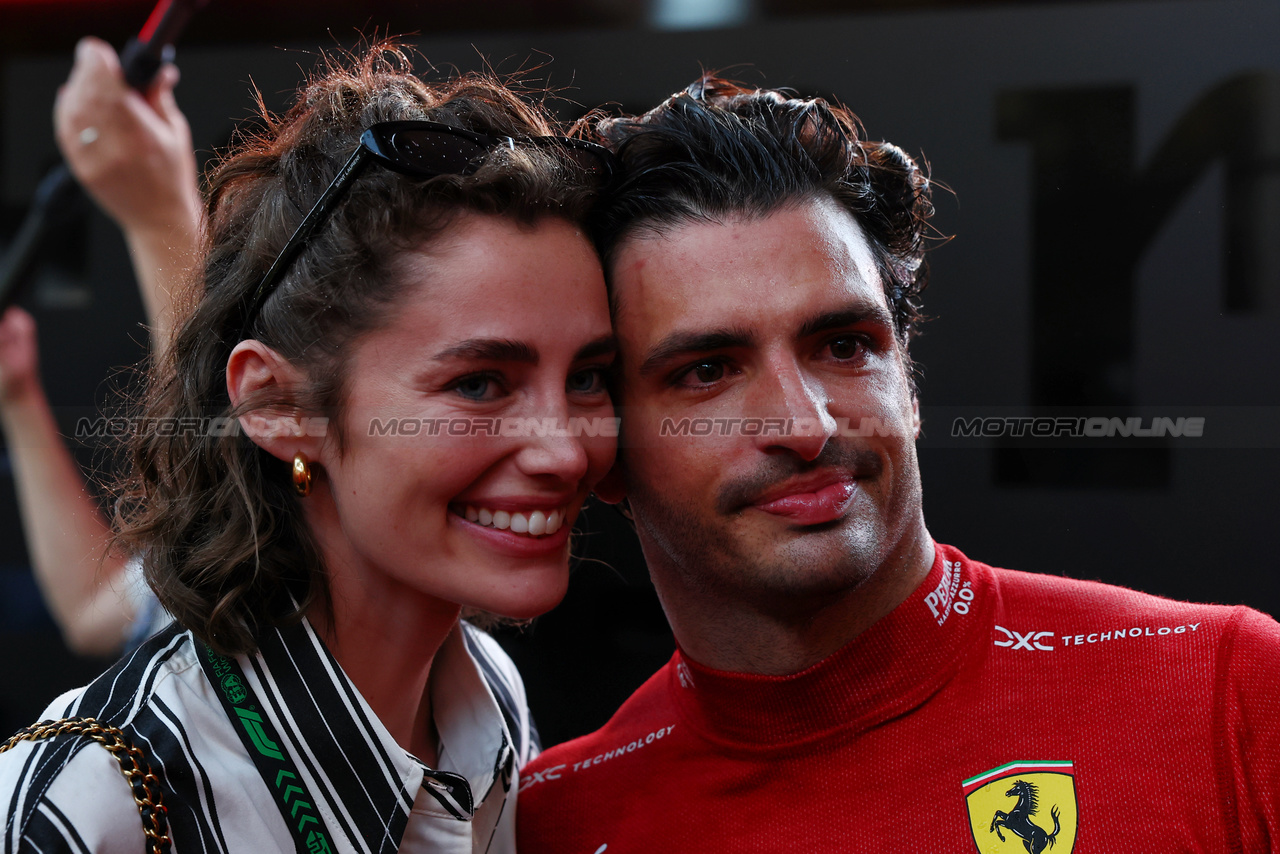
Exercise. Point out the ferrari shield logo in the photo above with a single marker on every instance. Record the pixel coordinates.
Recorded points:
(1024, 808)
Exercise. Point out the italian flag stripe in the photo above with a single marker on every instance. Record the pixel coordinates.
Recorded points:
(1012, 768)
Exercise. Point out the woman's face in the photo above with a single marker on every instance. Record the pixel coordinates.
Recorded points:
(476, 422)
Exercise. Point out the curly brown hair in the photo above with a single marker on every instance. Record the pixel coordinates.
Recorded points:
(720, 148)
(222, 534)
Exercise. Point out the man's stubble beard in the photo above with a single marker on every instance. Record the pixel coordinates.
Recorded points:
(719, 556)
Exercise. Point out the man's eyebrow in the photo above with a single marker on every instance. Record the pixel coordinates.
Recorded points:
(489, 350)
(605, 345)
(850, 316)
(682, 343)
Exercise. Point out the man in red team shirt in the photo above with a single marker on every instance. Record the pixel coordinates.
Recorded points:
(843, 682)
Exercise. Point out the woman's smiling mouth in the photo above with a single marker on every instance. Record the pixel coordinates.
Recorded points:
(531, 523)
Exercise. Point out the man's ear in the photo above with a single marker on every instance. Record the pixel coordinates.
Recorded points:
(256, 372)
(915, 416)
(610, 489)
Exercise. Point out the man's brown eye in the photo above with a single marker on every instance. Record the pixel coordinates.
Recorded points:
(703, 372)
(845, 348)
(708, 372)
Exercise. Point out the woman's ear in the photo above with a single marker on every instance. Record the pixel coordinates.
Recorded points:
(255, 371)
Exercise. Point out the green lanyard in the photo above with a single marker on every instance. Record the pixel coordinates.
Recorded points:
(263, 745)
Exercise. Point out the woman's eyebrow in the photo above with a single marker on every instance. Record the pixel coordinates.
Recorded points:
(490, 350)
(605, 345)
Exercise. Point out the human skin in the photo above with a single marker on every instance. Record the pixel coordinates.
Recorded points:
(132, 152)
(67, 538)
(481, 332)
(768, 551)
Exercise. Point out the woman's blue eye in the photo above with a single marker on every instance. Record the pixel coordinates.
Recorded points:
(474, 388)
(589, 381)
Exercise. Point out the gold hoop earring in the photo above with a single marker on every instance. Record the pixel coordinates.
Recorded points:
(301, 475)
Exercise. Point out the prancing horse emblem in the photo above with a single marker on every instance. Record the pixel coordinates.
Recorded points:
(1018, 820)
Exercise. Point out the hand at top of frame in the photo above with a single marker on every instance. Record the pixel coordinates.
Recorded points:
(131, 151)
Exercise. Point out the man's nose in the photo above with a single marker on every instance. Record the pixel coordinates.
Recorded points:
(784, 390)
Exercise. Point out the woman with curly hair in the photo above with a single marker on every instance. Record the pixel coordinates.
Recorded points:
(383, 412)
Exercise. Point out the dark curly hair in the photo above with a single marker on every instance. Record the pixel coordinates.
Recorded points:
(720, 148)
(222, 535)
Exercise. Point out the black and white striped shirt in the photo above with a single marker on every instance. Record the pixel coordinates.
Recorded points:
(68, 795)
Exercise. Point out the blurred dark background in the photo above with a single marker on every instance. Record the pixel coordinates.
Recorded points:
(1115, 206)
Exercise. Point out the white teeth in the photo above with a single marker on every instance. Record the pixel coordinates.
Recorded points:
(535, 523)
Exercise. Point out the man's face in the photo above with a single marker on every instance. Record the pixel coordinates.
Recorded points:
(769, 425)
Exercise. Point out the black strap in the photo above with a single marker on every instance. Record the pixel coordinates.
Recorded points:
(260, 739)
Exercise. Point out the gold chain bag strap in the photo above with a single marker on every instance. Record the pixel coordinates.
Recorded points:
(133, 765)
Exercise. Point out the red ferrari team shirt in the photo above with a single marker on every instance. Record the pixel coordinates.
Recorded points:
(993, 710)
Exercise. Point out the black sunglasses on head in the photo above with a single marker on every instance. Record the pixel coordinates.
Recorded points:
(419, 149)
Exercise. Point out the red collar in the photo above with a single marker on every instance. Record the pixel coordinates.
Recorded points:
(889, 669)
